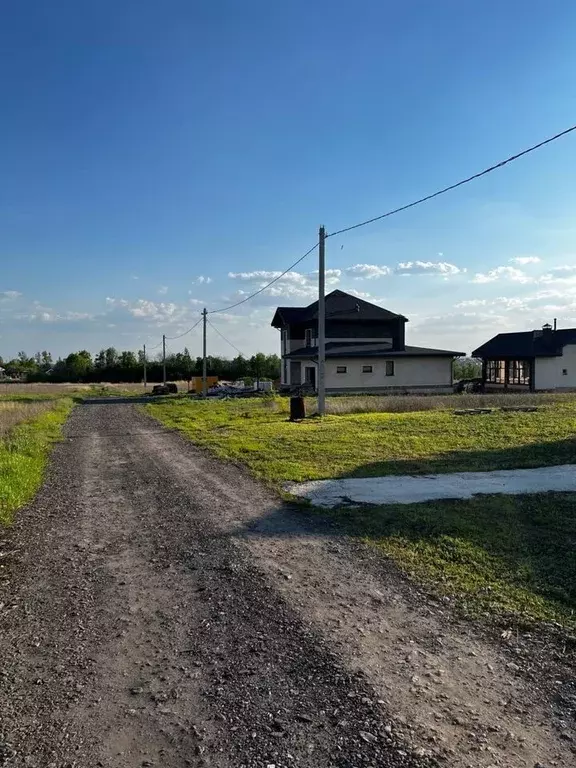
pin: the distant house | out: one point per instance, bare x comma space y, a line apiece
366, 350
544, 359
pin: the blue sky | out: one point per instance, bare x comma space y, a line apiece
159, 157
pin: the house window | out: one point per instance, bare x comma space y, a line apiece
389, 367
308, 336
564, 371
508, 372
518, 372
496, 371
366, 369
341, 369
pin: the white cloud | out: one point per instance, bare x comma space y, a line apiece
331, 276
157, 312
264, 276
9, 295
427, 268
367, 271
366, 296
163, 290
471, 303
201, 279
502, 273
526, 260
56, 317
292, 285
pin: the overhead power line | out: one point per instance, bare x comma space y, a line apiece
454, 186
225, 339
173, 338
261, 290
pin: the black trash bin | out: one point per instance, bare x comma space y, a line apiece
297, 409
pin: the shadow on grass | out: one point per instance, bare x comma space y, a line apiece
498, 554
514, 457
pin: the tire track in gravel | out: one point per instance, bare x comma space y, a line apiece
136, 631
453, 692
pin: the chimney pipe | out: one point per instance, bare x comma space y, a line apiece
554, 323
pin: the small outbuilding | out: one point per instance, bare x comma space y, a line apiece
531, 361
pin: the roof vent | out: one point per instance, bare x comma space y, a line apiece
546, 327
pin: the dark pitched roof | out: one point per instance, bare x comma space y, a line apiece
369, 349
337, 303
527, 344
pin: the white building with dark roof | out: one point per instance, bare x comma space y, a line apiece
530, 361
366, 350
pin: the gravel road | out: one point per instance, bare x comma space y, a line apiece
160, 608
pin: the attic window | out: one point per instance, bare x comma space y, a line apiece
366, 369
341, 369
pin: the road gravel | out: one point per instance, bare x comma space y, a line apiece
161, 608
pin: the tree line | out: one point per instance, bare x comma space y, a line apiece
111, 365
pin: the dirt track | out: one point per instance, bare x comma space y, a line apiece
160, 608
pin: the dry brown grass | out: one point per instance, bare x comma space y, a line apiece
48, 389
17, 412
407, 403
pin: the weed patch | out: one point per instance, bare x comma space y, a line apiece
25, 443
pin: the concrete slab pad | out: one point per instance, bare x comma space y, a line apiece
410, 489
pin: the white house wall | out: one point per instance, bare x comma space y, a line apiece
409, 373
549, 374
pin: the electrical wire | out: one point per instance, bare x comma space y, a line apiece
149, 349
454, 186
173, 338
261, 290
225, 339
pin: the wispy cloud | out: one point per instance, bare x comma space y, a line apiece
502, 273
471, 303
9, 295
526, 260
158, 312
443, 268
367, 271
163, 290
56, 317
201, 279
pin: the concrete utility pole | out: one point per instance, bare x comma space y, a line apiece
144, 361
163, 358
321, 323
204, 379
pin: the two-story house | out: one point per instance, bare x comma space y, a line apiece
365, 350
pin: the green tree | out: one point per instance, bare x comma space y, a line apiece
467, 368
128, 360
78, 365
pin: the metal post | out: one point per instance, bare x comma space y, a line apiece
321, 324
163, 359
204, 379
144, 361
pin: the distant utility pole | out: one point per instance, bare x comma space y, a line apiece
204, 379
164, 358
144, 361
321, 322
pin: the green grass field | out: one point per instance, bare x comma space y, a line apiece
27, 432
258, 434
499, 556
